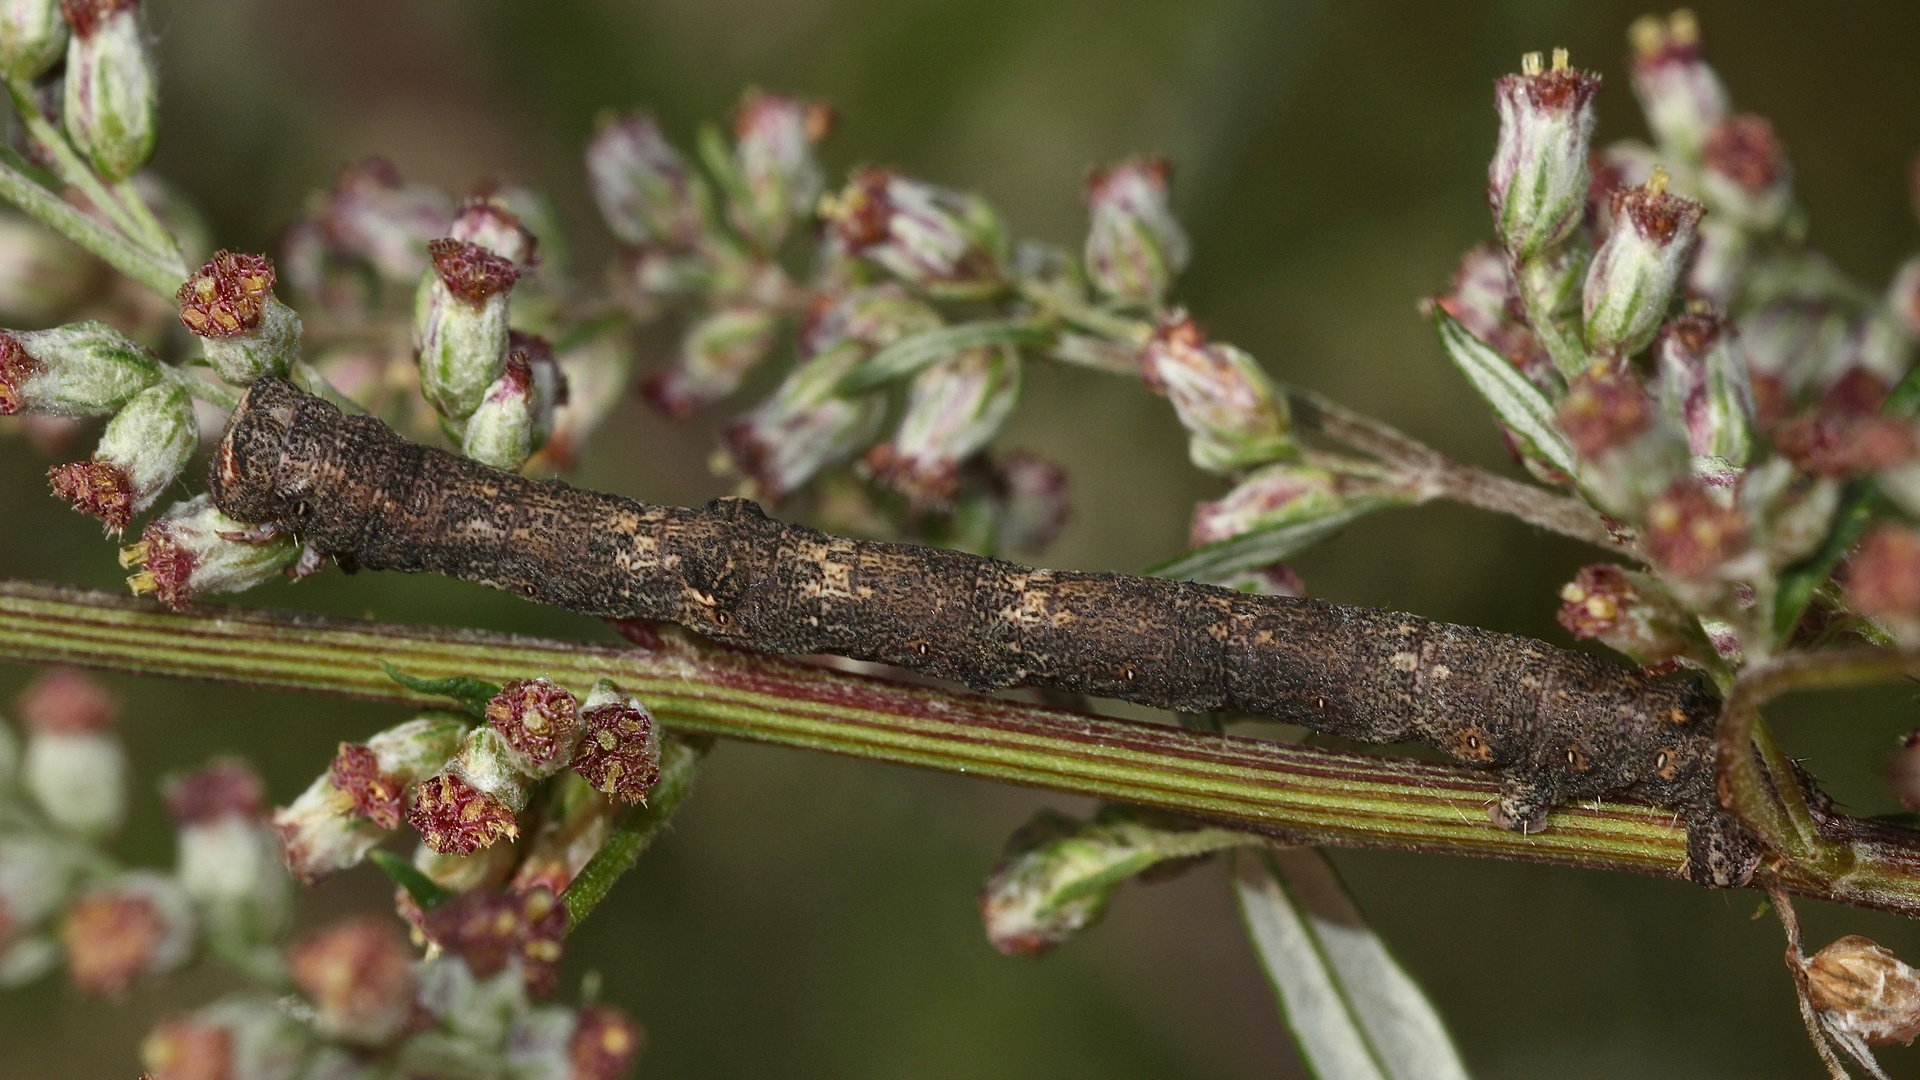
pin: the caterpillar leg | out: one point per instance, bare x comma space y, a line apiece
1524, 804
1721, 852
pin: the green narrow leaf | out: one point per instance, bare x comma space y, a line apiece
717, 156
1269, 545
1518, 403
407, 876
1354, 1011
472, 694
914, 353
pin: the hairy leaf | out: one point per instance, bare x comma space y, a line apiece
1517, 402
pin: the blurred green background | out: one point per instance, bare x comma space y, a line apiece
810, 917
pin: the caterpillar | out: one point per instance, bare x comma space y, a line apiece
1554, 725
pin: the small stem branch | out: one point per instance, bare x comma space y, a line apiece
1070, 306
308, 378
213, 393
1294, 793
118, 252
679, 760
158, 238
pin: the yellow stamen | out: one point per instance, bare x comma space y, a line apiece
1647, 35
143, 583
133, 554
1560, 59
1657, 183
1530, 63
1683, 28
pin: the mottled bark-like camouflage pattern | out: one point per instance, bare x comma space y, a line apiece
1556, 725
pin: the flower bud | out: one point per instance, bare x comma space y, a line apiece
194, 549
1633, 274
1747, 177
363, 795
551, 390
471, 802
575, 826
377, 215
460, 325
500, 432
946, 243
112, 92
144, 449
716, 353
1883, 579
1274, 495
139, 924
1680, 93
75, 767
643, 188
1690, 534
43, 275
1862, 995
1791, 513
619, 752
1538, 180
1705, 388
604, 1044
802, 429
954, 408
245, 331
228, 856
1787, 343
1033, 501
1630, 613
248, 1038
490, 930
33, 37
81, 369
486, 222
358, 973
539, 720
36, 871
1135, 246
1235, 414
774, 138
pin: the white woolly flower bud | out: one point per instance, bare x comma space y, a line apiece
460, 325
112, 92
144, 449
1538, 179
194, 549
1235, 414
500, 432
1278, 494
1705, 388
780, 178
363, 795
81, 369
954, 408
1680, 93
1633, 274
78, 774
946, 243
1135, 246
33, 35
644, 190
716, 353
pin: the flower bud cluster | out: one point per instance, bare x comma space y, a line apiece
946, 243
362, 798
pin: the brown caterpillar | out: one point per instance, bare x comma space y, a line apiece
1556, 725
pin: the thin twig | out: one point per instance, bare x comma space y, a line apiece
118, 252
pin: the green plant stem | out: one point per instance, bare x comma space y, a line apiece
157, 235
118, 252
213, 393
308, 378
1066, 302
1297, 794
138, 226
679, 760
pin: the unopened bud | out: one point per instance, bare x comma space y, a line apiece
1787, 343
363, 795
227, 854
472, 802
604, 1044
81, 369
954, 409
643, 188
783, 442
144, 449
1135, 246
139, 924
36, 871
194, 549
1236, 415
1633, 274
619, 752
1690, 534
574, 827
774, 138
33, 37
1883, 579
240, 1038
112, 92
1680, 93
539, 720
377, 215
1277, 494
716, 353
500, 432
460, 325
1705, 388
490, 930
947, 243
75, 767
246, 332
1628, 612
1747, 177
1862, 995
358, 973
488, 223
1538, 180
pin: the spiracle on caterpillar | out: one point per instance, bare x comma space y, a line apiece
1554, 725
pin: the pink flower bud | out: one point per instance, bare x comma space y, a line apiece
643, 188
944, 242
619, 751
460, 325
539, 720
67, 701
186, 1048
487, 223
1481, 297
604, 1045
1705, 387
1233, 411
1680, 93
1846, 435
358, 973
75, 767
226, 788
140, 924
490, 930
376, 215
1747, 177
111, 103
241, 1038
1537, 182
774, 138
716, 353
1628, 454
194, 549
1632, 276
1690, 534
143, 451
1275, 495
1628, 612
1135, 246
1883, 579
954, 409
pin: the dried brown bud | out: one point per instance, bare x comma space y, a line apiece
456, 818
604, 1044
470, 271
17, 368
619, 750
66, 701
1606, 406
539, 720
225, 788
1883, 577
359, 975
489, 929
96, 488
1690, 534
1862, 993
225, 297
